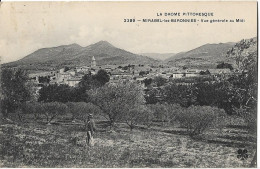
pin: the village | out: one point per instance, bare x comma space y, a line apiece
133, 73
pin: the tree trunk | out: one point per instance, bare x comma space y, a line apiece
131, 127
112, 124
20, 118
5, 113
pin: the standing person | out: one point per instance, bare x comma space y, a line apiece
90, 126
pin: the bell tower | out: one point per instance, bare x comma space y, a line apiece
93, 62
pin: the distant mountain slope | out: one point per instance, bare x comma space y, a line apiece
158, 56
208, 55
75, 55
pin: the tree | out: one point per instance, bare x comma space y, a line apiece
52, 110
147, 82
196, 119
66, 68
159, 81
205, 72
245, 85
15, 90
151, 96
55, 93
224, 65
183, 95
62, 93
138, 115
102, 77
80, 110
44, 79
160, 112
89, 81
34, 108
116, 99
142, 73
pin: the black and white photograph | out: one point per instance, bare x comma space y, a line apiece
137, 84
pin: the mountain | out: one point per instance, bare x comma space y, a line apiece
76, 55
205, 56
158, 56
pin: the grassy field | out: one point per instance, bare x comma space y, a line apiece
36, 145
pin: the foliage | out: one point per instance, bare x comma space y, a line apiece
159, 81
224, 65
205, 72
216, 94
245, 84
142, 73
44, 79
147, 82
116, 99
160, 112
164, 112
199, 118
125, 67
183, 95
138, 115
49, 110
34, 108
14, 90
89, 81
52, 110
62, 93
151, 96
66, 68
102, 77
80, 110
195, 79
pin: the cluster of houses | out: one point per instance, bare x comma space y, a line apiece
137, 73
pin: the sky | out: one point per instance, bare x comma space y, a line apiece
28, 26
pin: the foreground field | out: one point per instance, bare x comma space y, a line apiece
34, 145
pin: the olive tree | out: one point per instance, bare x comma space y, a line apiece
245, 84
52, 110
14, 90
139, 115
116, 99
196, 119
80, 110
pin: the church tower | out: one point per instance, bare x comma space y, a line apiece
93, 62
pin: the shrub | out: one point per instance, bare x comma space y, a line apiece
199, 118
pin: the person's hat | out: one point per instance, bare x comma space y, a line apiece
90, 115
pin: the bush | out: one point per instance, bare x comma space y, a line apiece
199, 118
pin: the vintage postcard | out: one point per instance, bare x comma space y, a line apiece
128, 84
